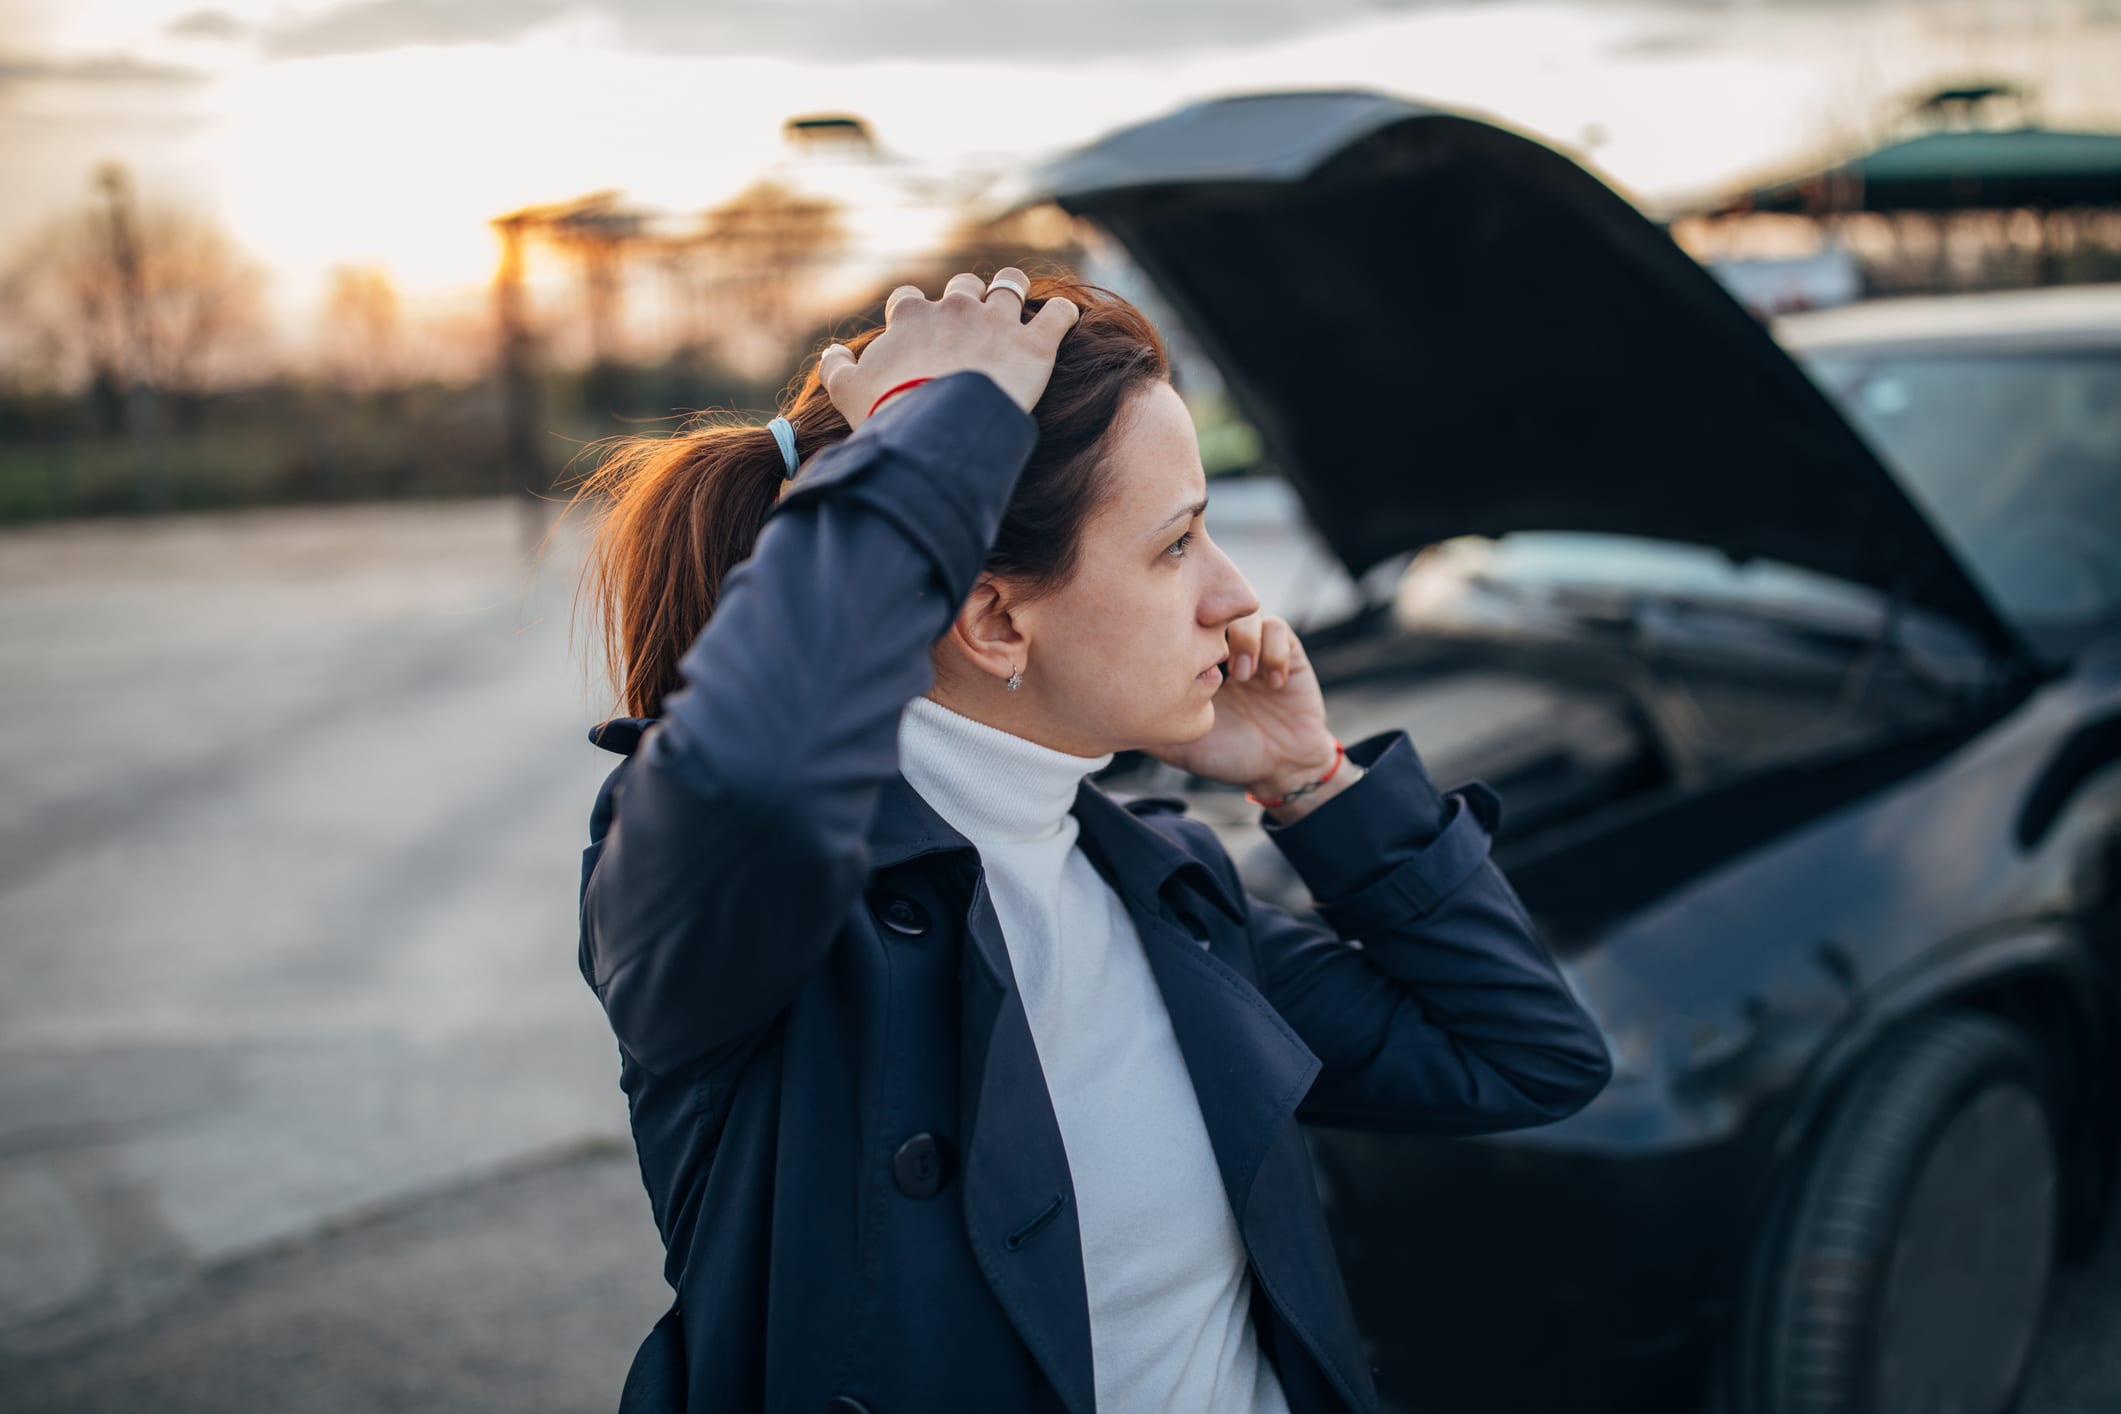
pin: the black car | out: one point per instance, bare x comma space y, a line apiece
1800, 679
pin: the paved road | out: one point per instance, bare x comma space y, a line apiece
286, 893
521, 1294
300, 1097
527, 1293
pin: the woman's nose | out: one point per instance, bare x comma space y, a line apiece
1229, 596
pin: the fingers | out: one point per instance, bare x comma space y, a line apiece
835, 362
1008, 284
1264, 647
899, 296
1277, 650
1244, 647
966, 328
1055, 318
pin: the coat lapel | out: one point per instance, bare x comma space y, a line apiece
1017, 1199
1249, 1073
1249, 1069
1018, 1196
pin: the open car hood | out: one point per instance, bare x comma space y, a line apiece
1440, 327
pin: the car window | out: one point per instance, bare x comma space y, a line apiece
2016, 459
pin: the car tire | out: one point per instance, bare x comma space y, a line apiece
1907, 1268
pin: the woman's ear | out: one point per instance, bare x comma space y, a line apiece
985, 631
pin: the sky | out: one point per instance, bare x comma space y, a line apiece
388, 132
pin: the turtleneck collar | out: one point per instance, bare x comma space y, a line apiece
988, 783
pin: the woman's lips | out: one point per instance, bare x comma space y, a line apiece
1212, 673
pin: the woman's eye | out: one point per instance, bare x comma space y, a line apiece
1177, 548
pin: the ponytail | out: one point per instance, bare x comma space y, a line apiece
681, 512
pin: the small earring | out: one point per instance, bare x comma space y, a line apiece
1016, 677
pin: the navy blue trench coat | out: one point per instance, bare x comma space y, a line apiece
843, 1128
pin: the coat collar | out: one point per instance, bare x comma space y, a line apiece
1138, 859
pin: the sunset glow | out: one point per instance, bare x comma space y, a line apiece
399, 156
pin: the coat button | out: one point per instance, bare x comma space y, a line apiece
904, 915
922, 1166
845, 1404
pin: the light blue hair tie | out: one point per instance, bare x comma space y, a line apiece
784, 433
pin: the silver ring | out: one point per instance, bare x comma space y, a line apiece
1000, 283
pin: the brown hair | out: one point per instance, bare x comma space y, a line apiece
685, 510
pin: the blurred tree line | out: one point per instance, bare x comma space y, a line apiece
140, 368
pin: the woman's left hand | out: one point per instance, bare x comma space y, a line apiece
1270, 718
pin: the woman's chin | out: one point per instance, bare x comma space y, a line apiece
1187, 724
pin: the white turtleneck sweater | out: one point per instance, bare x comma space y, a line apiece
1165, 1267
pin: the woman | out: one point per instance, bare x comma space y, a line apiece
957, 1085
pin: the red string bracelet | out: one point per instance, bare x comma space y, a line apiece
1340, 754
909, 383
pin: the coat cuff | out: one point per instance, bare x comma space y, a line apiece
1390, 847
938, 461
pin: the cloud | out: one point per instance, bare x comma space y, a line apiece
828, 29
854, 30
1670, 43
365, 26
206, 24
17, 70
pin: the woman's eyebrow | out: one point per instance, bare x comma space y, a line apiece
1183, 513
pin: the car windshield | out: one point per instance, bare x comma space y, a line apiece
2016, 459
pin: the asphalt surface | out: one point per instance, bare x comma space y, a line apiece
302, 1103
528, 1292
288, 848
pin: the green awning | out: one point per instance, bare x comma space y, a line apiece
1957, 171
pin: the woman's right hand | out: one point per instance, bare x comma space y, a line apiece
970, 327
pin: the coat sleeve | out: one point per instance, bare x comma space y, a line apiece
727, 849
1449, 1017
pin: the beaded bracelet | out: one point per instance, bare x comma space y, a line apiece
909, 383
1340, 754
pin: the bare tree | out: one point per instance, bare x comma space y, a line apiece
123, 294
361, 341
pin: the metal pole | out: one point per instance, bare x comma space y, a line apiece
142, 409
519, 380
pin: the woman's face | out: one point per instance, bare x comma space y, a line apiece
1115, 659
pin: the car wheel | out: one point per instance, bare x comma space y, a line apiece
1907, 1270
